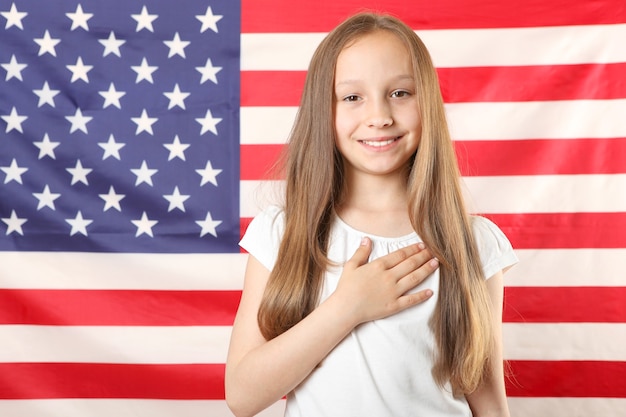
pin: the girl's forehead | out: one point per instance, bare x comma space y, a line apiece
380, 49
375, 37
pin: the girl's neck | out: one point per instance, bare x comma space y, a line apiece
376, 205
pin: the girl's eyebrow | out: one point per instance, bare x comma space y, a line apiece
401, 77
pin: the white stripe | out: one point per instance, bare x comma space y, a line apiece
537, 119
537, 268
209, 344
123, 408
476, 121
266, 125
114, 344
254, 196
568, 268
510, 194
560, 45
520, 407
547, 193
567, 407
62, 270
564, 341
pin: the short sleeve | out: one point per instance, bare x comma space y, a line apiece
496, 252
263, 236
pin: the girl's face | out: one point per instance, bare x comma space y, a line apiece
377, 119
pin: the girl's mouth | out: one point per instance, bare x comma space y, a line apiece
379, 143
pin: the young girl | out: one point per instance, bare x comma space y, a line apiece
371, 292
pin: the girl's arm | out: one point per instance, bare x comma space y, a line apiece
489, 400
260, 372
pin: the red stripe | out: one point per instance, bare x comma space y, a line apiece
257, 161
471, 84
533, 83
21, 381
118, 307
567, 379
322, 15
271, 88
542, 157
563, 230
218, 308
494, 158
565, 305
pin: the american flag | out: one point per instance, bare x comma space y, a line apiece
134, 141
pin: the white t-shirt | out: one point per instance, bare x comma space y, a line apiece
382, 368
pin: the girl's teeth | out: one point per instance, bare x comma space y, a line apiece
378, 143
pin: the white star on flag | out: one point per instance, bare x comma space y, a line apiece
13, 69
47, 44
112, 97
46, 147
14, 121
208, 71
144, 123
13, 172
112, 199
176, 200
79, 18
46, 198
176, 46
79, 70
111, 148
144, 20
144, 174
176, 97
14, 17
208, 225
144, 225
208, 123
46, 95
79, 224
14, 223
177, 149
78, 121
208, 174
209, 20
79, 173
112, 45
144, 71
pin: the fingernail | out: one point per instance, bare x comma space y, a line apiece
364, 241
421, 245
434, 262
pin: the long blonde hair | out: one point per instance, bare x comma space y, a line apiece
314, 184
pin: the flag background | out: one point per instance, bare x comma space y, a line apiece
136, 324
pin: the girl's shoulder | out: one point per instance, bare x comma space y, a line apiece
495, 249
263, 235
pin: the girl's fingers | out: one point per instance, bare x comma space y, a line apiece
361, 255
417, 276
389, 261
412, 263
412, 299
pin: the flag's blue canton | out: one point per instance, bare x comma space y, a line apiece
119, 127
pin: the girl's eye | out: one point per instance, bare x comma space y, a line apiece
351, 98
400, 94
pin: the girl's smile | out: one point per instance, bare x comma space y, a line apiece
380, 143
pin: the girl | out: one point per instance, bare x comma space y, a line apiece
366, 293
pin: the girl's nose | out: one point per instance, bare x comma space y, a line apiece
379, 115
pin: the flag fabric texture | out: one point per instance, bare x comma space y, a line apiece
135, 138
